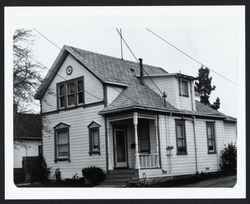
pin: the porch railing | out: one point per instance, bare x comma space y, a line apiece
149, 160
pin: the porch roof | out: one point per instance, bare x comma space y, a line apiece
138, 96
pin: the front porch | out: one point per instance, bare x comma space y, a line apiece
133, 142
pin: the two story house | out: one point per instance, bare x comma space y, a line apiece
116, 114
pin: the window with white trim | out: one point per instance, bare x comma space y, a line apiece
180, 137
70, 93
211, 146
183, 87
62, 142
94, 138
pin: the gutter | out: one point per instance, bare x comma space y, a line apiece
157, 110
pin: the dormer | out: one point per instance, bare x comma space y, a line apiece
178, 87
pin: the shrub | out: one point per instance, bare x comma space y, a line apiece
74, 182
93, 174
44, 171
58, 175
229, 158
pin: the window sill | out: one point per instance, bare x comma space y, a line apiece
71, 107
62, 159
94, 152
212, 152
184, 95
182, 153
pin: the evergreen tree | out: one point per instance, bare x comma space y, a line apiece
216, 104
204, 87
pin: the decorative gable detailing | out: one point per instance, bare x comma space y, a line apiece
61, 125
93, 124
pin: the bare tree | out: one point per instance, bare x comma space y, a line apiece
26, 73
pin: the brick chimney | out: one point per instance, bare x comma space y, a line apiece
141, 72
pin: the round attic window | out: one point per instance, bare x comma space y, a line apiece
69, 70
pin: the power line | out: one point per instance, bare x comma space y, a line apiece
138, 60
57, 73
127, 45
47, 38
189, 56
70, 56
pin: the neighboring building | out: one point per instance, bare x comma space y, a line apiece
107, 112
27, 137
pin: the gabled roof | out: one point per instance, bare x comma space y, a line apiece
105, 68
138, 96
27, 126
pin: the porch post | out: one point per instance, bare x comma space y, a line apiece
135, 120
156, 136
109, 145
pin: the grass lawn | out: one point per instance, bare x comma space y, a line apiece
53, 184
218, 179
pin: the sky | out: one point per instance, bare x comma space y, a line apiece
214, 35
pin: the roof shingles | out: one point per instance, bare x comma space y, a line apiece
136, 95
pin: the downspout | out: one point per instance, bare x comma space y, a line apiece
169, 152
195, 145
159, 141
106, 144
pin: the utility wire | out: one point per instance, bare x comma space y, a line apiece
47, 39
70, 56
190, 56
56, 73
127, 45
138, 60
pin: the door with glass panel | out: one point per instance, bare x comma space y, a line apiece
120, 148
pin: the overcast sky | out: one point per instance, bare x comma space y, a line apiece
212, 35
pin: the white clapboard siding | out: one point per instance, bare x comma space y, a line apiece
150, 173
182, 101
208, 162
78, 119
220, 138
230, 132
182, 164
91, 84
23, 149
112, 93
165, 84
170, 85
162, 140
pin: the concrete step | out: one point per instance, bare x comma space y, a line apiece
117, 176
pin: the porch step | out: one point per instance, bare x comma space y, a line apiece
121, 171
118, 177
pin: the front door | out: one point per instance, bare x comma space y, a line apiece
120, 147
